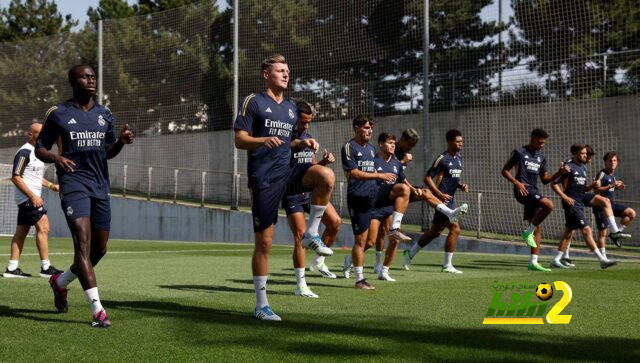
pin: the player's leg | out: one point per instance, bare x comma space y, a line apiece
400, 195
42, 243
372, 236
437, 226
534, 265
562, 245
392, 247
543, 207
450, 247
435, 203
297, 226
605, 204
331, 220
588, 238
602, 241
357, 256
320, 180
17, 243
385, 225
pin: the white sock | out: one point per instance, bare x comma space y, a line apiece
45, 264
359, 273
13, 265
414, 250
260, 285
396, 219
315, 216
603, 250
318, 260
444, 209
93, 299
612, 224
621, 227
534, 259
558, 256
448, 256
531, 228
378, 258
66, 278
566, 252
599, 255
300, 280
384, 270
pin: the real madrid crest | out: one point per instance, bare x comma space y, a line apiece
101, 121
291, 115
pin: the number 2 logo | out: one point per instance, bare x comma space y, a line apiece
554, 317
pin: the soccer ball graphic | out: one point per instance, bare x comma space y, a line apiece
544, 291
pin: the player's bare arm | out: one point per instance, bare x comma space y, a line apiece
245, 141
363, 175
558, 190
547, 177
428, 180
327, 158
60, 161
506, 173
126, 137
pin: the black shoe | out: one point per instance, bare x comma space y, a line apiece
608, 263
49, 272
616, 237
17, 273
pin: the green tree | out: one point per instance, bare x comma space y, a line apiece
32, 18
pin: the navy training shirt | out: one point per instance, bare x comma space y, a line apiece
362, 158
607, 179
574, 181
302, 158
82, 137
529, 165
392, 166
261, 116
446, 171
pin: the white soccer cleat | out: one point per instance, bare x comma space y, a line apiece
450, 269
399, 236
385, 277
406, 257
315, 243
459, 212
346, 267
265, 313
323, 270
305, 291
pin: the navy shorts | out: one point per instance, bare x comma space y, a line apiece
294, 182
264, 204
529, 201
574, 216
382, 198
440, 219
601, 219
360, 208
381, 213
78, 204
296, 203
28, 215
587, 198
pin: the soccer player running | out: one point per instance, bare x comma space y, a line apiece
28, 177
264, 127
364, 194
84, 131
608, 185
306, 172
530, 164
572, 189
446, 170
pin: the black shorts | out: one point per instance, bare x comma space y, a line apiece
28, 215
601, 219
530, 202
264, 204
587, 198
574, 216
294, 182
296, 203
78, 204
360, 208
381, 213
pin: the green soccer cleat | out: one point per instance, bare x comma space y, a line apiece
528, 239
538, 267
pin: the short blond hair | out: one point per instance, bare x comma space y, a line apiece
273, 59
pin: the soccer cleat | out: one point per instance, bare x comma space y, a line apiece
377, 269
528, 239
567, 262
15, 274
59, 294
458, 212
399, 236
450, 269
322, 270
406, 260
364, 285
616, 237
346, 267
305, 291
315, 243
607, 263
538, 267
100, 320
49, 272
385, 277
558, 264
265, 313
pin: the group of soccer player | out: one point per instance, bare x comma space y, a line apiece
282, 170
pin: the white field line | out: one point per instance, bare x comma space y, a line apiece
133, 252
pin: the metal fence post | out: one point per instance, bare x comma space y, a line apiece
124, 180
204, 183
175, 184
479, 215
149, 186
340, 197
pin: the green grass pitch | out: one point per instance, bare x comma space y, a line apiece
193, 302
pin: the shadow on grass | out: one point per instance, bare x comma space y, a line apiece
214, 288
7, 312
291, 282
293, 334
